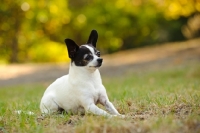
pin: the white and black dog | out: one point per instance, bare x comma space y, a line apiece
82, 88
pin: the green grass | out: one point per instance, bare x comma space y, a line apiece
153, 101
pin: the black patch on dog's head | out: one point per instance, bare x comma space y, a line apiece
82, 55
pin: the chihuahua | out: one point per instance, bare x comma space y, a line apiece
82, 89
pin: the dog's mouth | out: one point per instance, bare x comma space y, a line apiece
98, 63
97, 66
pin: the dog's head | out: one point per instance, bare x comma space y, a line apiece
85, 55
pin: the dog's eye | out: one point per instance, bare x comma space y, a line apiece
98, 53
87, 57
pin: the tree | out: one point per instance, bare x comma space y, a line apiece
25, 24
35, 30
10, 28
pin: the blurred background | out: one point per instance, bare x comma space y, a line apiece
34, 31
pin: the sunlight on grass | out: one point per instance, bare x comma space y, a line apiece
154, 101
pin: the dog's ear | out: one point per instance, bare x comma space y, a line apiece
72, 47
93, 38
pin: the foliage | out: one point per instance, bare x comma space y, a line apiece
154, 101
25, 24
122, 24
48, 52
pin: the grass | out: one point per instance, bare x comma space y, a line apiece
164, 100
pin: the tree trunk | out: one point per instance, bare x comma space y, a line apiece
15, 34
15, 50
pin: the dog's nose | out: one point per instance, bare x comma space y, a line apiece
100, 60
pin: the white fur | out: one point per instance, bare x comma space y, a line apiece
79, 91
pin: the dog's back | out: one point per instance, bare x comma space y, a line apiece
48, 102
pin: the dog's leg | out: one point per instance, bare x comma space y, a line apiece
109, 106
48, 105
96, 110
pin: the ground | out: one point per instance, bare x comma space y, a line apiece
157, 88
148, 58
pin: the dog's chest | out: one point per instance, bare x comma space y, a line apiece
87, 85
96, 94
93, 90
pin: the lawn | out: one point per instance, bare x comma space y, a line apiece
162, 100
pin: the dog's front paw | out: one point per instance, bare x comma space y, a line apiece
119, 116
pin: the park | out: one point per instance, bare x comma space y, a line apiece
151, 63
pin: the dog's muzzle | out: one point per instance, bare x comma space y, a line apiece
99, 60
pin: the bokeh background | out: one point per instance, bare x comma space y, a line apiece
34, 31
151, 66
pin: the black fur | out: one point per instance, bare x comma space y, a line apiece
72, 47
93, 38
76, 53
79, 56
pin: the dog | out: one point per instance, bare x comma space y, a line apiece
82, 89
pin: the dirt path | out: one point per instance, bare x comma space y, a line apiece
148, 58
